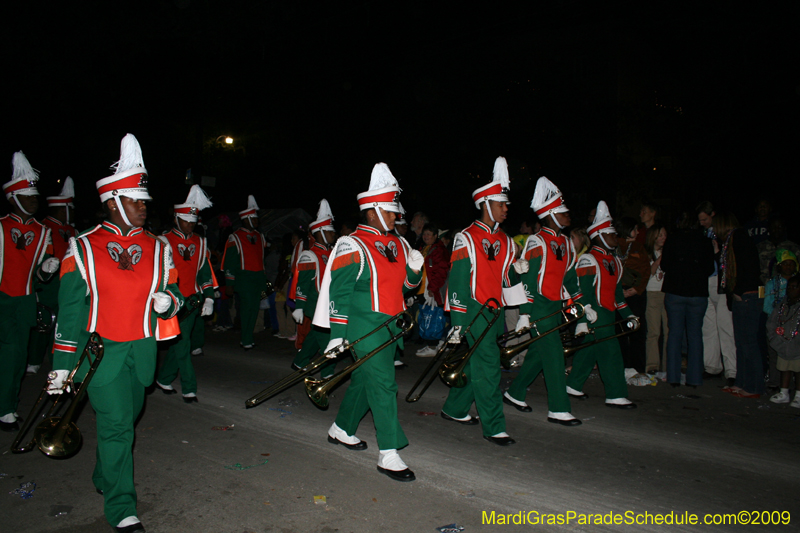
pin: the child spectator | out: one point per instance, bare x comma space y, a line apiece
782, 328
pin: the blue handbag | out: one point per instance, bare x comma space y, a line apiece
431, 323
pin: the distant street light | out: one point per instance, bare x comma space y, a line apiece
228, 140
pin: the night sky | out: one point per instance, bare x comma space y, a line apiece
594, 95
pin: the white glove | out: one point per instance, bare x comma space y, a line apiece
454, 335
335, 347
521, 266
415, 260
161, 301
409, 301
208, 307
589, 313
430, 300
581, 329
50, 265
523, 322
56, 380
297, 314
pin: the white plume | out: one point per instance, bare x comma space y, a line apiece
197, 197
23, 169
251, 203
602, 213
545, 191
500, 172
68, 190
324, 211
382, 177
130, 155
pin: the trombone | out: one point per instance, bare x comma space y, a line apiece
571, 312
404, 320
59, 436
318, 389
626, 325
451, 358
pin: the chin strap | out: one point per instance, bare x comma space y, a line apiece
604, 241
553, 216
379, 211
118, 201
489, 210
16, 200
322, 232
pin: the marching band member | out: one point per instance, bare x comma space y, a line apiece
599, 274
25, 263
363, 287
196, 284
551, 277
243, 264
482, 258
60, 218
116, 280
308, 275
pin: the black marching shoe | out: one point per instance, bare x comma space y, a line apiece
398, 475
9, 426
100, 492
572, 422
622, 406
296, 368
165, 390
472, 421
361, 445
190, 399
500, 441
522, 408
580, 397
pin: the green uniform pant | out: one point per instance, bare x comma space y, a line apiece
315, 343
249, 286
544, 355
608, 357
198, 339
17, 317
373, 386
117, 405
179, 358
483, 379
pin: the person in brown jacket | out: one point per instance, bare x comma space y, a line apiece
635, 275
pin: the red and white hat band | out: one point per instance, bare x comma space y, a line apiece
556, 206
321, 225
492, 191
23, 187
385, 198
602, 227
60, 201
131, 183
248, 213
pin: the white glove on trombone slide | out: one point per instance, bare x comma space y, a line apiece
55, 381
581, 329
297, 314
523, 322
454, 335
161, 301
521, 266
335, 347
591, 314
208, 307
415, 260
